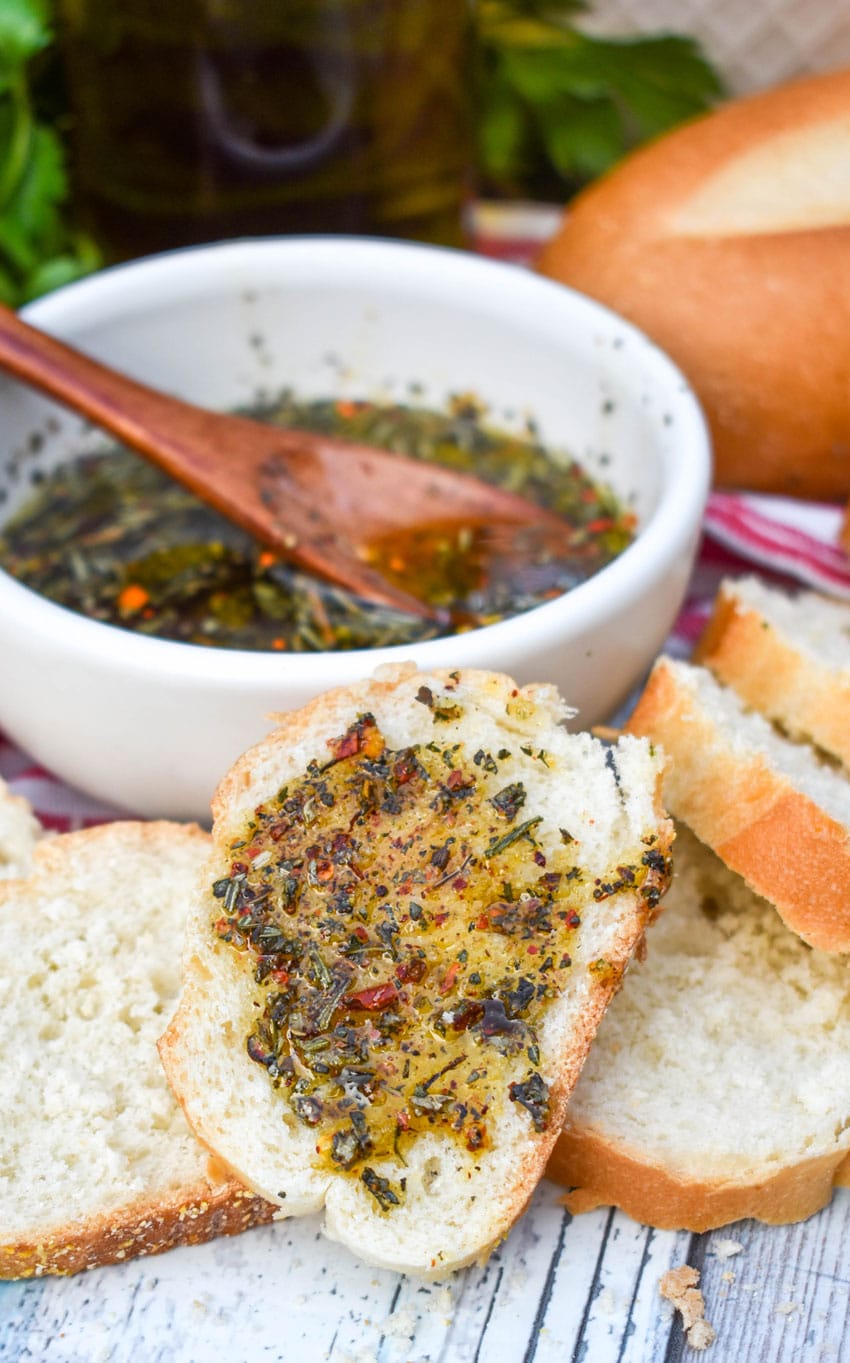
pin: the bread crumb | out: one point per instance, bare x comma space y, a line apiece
679, 1286
725, 1249
701, 1334
728, 1276
401, 1324
787, 1308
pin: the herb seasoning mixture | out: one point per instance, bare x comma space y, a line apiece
112, 537
408, 933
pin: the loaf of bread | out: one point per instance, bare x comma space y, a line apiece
96, 1161
19, 833
786, 656
768, 806
422, 894
728, 242
717, 1087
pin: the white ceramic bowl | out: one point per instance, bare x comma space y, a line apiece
151, 725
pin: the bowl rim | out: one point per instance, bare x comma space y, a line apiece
666, 534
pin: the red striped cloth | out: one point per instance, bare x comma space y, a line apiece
788, 543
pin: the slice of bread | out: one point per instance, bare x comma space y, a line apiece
19, 833
767, 806
717, 1087
787, 656
96, 1161
422, 895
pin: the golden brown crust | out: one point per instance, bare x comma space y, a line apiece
189, 1217
771, 675
600, 1173
783, 845
757, 320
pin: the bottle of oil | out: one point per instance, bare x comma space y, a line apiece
195, 120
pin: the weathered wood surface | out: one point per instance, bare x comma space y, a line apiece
558, 1291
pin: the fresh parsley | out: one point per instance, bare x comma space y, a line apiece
39, 246
557, 106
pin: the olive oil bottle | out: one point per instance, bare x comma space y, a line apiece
195, 120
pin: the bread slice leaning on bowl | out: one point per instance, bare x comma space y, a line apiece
422, 894
769, 807
717, 1087
786, 656
97, 1162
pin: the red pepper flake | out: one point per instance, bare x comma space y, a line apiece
373, 1000
539, 858
363, 736
346, 746
413, 969
456, 779
280, 976
460, 883
439, 919
132, 598
532, 949
572, 919
450, 977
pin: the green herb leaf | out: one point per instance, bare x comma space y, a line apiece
559, 106
39, 249
24, 31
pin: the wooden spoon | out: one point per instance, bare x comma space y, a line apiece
318, 500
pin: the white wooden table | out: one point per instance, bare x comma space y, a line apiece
559, 1290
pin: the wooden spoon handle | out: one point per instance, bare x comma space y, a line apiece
152, 423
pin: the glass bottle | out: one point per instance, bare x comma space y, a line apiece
195, 120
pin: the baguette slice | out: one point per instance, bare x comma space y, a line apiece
786, 656
767, 806
717, 1087
19, 833
96, 1161
499, 872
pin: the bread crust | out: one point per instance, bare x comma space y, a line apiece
757, 317
772, 675
785, 847
145, 1226
602, 1173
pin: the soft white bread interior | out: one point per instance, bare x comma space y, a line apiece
717, 1087
20, 830
786, 656
500, 873
728, 242
769, 807
96, 1161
